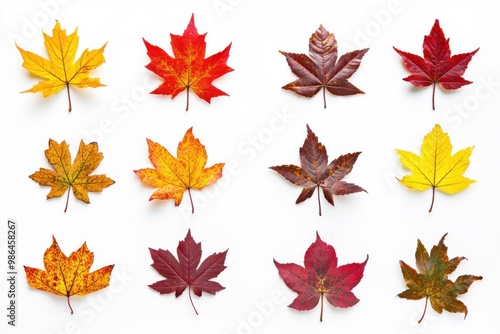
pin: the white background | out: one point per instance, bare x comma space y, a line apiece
251, 211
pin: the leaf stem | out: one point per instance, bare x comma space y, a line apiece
433, 194
191, 200
69, 97
192, 304
67, 200
69, 304
321, 314
319, 203
425, 309
433, 94
324, 97
187, 100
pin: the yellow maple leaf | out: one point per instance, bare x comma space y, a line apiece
61, 70
436, 167
74, 176
68, 276
175, 175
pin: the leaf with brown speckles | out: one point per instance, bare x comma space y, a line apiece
432, 280
68, 276
315, 172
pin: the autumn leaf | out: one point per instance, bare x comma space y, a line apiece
174, 175
321, 70
67, 176
188, 69
68, 276
187, 272
61, 70
321, 277
315, 172
431, 281
436, 167
437, 66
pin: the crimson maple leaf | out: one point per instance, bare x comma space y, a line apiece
188, 69
317, 173
437, 66
322, 70
321, 277
185, 273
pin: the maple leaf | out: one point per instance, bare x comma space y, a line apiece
321, 277
61, 70
173, 175
315, 172
322, 70
436, 167
431, 281
188, 69
68, 276
187, 272
437, 66
76, 176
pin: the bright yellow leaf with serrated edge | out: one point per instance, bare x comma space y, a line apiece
436, 167
174, 175
61, 70
68, 276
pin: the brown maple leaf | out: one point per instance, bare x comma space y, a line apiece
74, 176
315, 172
187, 272
432, 280
188, 69
68, 276
173, 176
321, 70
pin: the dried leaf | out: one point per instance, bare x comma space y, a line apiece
76, 176
321, 70
187, 272
61, 70
321, 277
188, 69
317, 173
437, 66
174, 175
432, 281
436, 167
68, 276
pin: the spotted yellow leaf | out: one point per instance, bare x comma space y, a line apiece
68, 276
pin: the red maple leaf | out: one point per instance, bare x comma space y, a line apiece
188, 69
183, 274
315, 172
437, 66
321, 277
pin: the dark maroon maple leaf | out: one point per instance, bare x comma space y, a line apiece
183, 274
317, 173
437, 66
321, 277
322, 70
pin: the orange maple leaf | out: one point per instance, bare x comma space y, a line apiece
74, 175
68, 276
188, 69
174, 175
61, 69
